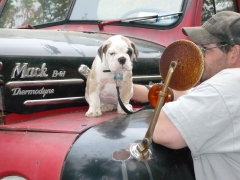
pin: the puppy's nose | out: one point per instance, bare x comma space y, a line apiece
122, 60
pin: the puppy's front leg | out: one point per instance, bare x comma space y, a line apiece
92, 97
94, 106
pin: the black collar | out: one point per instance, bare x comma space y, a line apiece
106, 71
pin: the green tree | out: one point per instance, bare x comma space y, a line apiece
207, 10
20, 12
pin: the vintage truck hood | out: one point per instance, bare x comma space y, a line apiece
76, 151
103, 152
39, 69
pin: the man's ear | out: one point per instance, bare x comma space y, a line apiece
103, 49
235, 59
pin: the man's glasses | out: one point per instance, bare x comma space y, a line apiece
204, 49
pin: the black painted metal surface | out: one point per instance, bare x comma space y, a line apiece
55, 55
102, 152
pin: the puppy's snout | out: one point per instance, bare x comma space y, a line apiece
122, 60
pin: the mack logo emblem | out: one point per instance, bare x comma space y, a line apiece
29, 72
19, 91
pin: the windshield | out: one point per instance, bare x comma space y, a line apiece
119, 9
17, 13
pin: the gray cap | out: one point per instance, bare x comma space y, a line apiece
222, 27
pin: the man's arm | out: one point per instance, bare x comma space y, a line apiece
166, 133
140, 93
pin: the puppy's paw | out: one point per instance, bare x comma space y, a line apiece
128, 106
107, 107
91, 113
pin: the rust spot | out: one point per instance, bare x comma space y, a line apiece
121, 155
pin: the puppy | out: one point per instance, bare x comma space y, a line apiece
116, 55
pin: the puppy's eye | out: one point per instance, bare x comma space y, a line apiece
129, 52
112, 54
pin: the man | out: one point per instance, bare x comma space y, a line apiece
207, 119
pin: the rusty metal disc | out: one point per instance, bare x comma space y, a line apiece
190, 64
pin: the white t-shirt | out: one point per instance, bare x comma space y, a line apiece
208, 119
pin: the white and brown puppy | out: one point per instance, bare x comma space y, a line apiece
116, 55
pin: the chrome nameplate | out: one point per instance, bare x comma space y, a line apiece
43, 92
24, 71
58, 73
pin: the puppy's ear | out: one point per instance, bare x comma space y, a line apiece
130, 43
103, 49
135, 51
100, 52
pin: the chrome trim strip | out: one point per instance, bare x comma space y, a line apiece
14, 84
147, 78
52, 101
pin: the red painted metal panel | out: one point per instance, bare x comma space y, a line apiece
157, 36
14, 118
71, 122
198, 13
32, 155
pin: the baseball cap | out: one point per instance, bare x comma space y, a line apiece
221, 27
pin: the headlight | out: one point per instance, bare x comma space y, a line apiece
13, 178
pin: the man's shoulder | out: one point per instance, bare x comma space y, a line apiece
225, 77
230, 71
